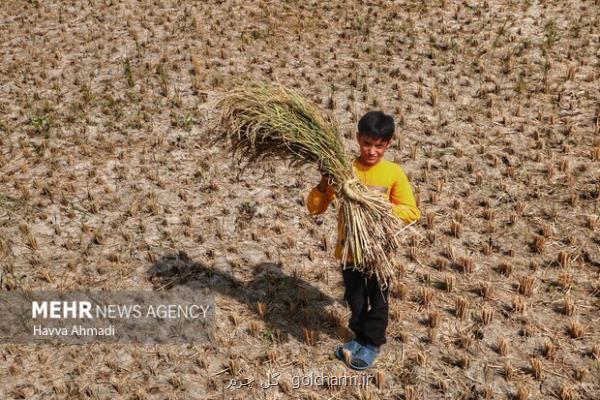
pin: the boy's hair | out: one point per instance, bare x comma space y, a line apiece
376, 125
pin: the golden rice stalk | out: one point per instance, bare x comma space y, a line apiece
270, 121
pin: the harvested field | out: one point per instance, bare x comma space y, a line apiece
108, 180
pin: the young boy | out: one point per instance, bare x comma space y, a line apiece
375, 131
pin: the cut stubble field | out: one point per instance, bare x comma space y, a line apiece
110, 178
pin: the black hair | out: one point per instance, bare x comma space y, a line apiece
376, 125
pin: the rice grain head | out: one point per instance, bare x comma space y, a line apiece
268, 121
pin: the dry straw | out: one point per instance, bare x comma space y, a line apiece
271, 121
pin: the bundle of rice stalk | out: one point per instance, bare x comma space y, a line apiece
264, 120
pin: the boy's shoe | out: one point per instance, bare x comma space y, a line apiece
352, 346
365, 357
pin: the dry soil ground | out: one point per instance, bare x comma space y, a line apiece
107, 176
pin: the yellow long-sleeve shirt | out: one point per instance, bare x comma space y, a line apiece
385, 177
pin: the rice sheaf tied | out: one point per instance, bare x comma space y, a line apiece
271, 121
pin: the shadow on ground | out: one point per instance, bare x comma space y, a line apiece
294, 306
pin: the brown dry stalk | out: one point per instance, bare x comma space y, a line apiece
442, 264
431, 236
549, 350
580, 373
487, 315
536, 368
430, 217
434, 319
485, 289
285, 386
456, 229
566, 392
503, 346
488, 393
399, 290
539, 244
449, 282
461, 305
576, 329
568, 305
265, 121
519, 305
426, 296
234, 366
254, 328
450, 252
347, 356
522, 393
509, 371
596, 351
486, 249
431, 334
564, 259
262, 309
565, 280
410, 393
464, 342
505, 269
526, 285
466, 264
310, 336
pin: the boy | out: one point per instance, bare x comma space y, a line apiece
375, 131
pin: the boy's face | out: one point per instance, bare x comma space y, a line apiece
371, 150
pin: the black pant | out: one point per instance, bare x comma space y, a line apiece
368, 324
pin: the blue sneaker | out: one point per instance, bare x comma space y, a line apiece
352, 346
365, 357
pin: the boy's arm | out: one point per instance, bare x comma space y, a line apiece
320, 197
403, 200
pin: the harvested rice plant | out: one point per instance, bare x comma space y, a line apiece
111, 169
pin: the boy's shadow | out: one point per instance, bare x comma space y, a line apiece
293, 306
